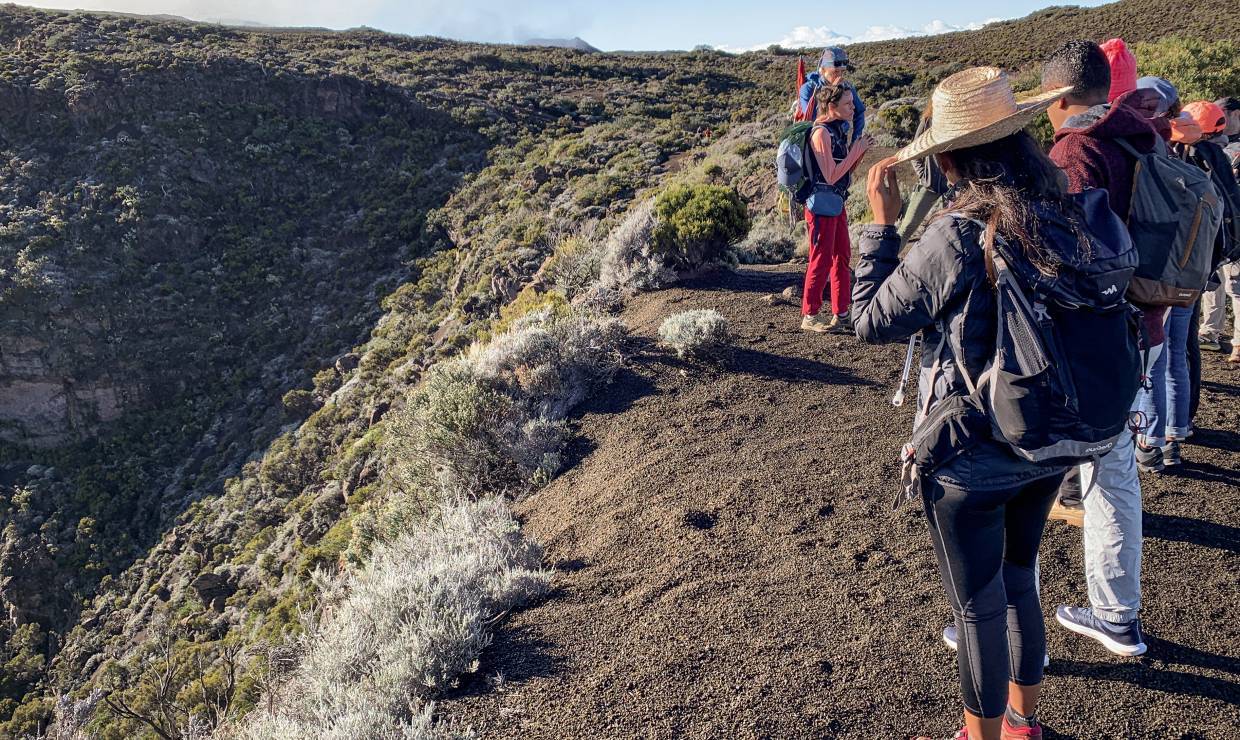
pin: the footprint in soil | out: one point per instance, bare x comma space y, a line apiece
699, 519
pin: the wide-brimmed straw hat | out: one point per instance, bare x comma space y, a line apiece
975, 106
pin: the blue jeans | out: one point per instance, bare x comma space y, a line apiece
1165, 406
1179, 387
1152, 402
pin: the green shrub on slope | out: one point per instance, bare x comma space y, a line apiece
696, 223
1200, 70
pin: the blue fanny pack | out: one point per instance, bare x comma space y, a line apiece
825, 200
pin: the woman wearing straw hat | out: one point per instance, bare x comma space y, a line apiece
985, 507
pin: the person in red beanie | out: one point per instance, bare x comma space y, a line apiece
1123, 68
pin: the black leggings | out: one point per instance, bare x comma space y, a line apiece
986, 543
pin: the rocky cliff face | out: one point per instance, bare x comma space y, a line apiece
40, 406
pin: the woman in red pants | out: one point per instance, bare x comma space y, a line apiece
829, 248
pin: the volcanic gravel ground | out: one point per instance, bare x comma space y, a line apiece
728, 564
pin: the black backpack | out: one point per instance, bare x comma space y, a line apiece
1067, 363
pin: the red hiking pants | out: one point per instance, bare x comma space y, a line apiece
829, 254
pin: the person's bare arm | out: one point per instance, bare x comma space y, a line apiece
833, 171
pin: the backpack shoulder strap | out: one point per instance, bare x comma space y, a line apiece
813, 168
935, 369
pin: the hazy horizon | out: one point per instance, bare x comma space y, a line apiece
641, 25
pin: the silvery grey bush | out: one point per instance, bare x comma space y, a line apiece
71, 716
399, 630
696, 333
445, 555
627, 264
493, 420
766, 243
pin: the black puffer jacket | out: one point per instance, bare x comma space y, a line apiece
940, 284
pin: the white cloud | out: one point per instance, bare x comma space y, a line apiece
810, 37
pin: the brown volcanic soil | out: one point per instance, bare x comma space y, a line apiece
728, 566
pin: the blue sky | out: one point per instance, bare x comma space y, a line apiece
638, 24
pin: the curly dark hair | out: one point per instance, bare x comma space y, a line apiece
1082, 66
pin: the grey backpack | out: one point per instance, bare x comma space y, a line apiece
1176, 213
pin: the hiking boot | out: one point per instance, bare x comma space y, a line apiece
816, 324
1121, 639
1235, 351
1209, 341
1150, 459
949, 639
1073, 512
840, 324
1010, 732
1171, 454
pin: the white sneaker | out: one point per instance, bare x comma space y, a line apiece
816, 324
949, 639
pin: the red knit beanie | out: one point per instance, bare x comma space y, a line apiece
1123, 68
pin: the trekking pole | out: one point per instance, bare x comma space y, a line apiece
914, 344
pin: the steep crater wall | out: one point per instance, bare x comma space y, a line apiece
168, 234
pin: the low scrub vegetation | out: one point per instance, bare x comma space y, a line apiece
628, 264
695, 334
696, 223
441, 555
492, 420
1200, 70
402, 628
768, 242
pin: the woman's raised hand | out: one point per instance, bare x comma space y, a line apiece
863, 143
883, 191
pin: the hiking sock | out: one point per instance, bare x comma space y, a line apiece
1016, 719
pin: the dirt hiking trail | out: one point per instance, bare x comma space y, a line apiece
728, 566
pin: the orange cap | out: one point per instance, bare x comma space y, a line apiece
1208, 116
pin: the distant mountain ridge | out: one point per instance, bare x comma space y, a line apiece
575, 42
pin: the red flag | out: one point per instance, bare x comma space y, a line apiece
800, 114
